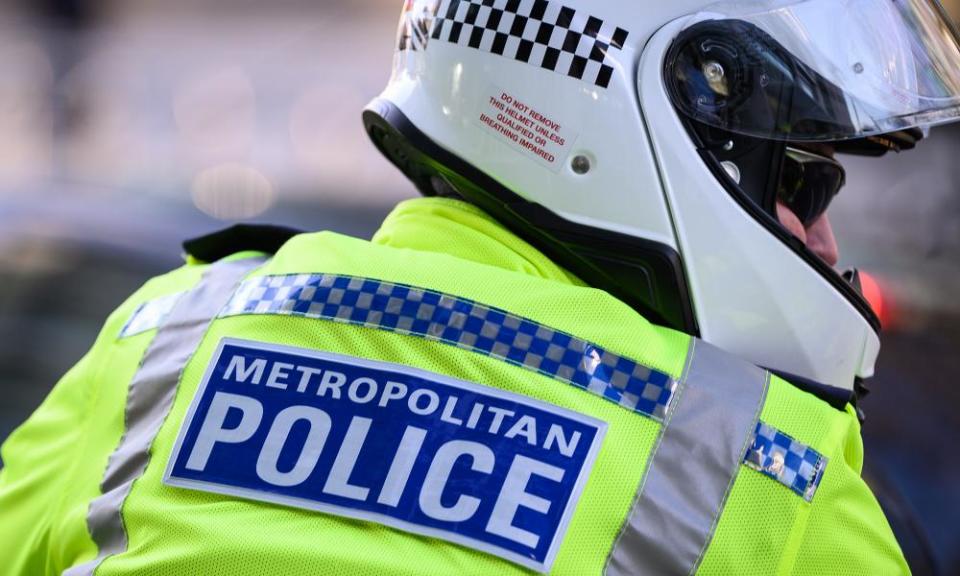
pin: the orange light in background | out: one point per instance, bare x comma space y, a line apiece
873, 293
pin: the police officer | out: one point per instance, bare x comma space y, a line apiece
550, 363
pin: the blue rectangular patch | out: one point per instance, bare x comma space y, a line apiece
421, 452
794, 464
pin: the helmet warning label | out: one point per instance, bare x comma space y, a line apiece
528, 128
414, 450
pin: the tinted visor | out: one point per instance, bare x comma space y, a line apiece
817, 70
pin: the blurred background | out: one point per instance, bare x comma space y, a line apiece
128, 126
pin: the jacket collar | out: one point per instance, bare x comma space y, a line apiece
459, 229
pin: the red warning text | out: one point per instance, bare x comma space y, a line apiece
528, 128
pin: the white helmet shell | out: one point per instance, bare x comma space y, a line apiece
563, 107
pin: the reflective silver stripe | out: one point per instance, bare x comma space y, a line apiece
149, 399
693, 465
149, 315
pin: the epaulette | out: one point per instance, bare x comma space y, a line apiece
836, 397
239, 238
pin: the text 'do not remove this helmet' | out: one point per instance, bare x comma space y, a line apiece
645, 146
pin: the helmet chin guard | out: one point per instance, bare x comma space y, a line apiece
557, 119
760, 292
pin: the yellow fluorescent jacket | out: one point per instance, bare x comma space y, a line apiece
722, 470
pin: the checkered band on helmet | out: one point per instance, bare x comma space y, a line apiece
537, 32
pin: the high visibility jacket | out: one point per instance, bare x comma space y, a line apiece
440, 400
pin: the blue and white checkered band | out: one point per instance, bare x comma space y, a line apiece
464, 324
537, 32
793, 464
149, 315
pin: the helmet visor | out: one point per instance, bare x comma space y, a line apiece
817, 70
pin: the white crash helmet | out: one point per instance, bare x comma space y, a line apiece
642, 146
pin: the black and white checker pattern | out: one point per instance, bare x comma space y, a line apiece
415, 23
540, 33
